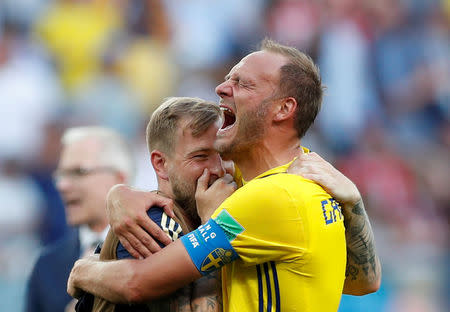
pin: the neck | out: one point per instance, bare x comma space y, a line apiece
98, 227
271, 153
164, 188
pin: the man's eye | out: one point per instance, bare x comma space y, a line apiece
201, 156
79, 172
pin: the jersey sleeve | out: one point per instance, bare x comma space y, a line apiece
260, 222
166, 223
263, 220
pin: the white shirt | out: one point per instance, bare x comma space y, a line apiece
88, 237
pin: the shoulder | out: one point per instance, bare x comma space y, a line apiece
156, 214
268, 187
282, 185
166, 223
269, 194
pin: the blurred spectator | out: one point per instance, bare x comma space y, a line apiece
148, 70
200, 42
410, 232
344, 60
30, 94
385, 179
106, 100
406, 78
20, 217
23, 13
76, 33
145, 63
93, 159
53, 224
437, 43
295, 23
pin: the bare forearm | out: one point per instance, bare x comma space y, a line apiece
363, 272
136, 280
104, 279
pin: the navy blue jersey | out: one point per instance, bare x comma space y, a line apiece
166, 223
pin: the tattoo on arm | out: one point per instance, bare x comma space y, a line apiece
362, 261
207, 294
203, 295
180, 301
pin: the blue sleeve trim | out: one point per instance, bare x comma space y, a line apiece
209, 247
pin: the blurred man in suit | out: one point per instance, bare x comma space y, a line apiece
93, 159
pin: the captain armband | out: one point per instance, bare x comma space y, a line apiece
209, 247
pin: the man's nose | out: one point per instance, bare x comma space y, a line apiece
224, 89
217, 168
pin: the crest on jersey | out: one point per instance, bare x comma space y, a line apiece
216, 259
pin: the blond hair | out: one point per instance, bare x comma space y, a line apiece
300, 79
161, 129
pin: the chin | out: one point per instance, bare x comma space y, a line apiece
74, 221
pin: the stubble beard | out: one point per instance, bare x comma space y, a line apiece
184, 196
250, 132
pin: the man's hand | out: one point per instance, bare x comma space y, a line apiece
74, 277
127, 213
209, 198
312, 166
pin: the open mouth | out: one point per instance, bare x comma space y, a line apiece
229, 118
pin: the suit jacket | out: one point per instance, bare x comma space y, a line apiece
47, 286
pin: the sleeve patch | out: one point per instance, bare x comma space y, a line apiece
230, 226
209, 248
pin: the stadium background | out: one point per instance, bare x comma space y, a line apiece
384, 121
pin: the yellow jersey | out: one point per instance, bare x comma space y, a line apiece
286, 246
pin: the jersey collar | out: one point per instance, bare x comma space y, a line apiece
278, 169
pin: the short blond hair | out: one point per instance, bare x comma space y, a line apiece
300, 79
161, 128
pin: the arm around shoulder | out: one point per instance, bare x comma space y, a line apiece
162, 273
126, 281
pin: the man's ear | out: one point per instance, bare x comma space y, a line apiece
159, 163
285, 109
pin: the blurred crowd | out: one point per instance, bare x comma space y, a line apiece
384, 121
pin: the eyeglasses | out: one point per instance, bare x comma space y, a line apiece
77, 173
